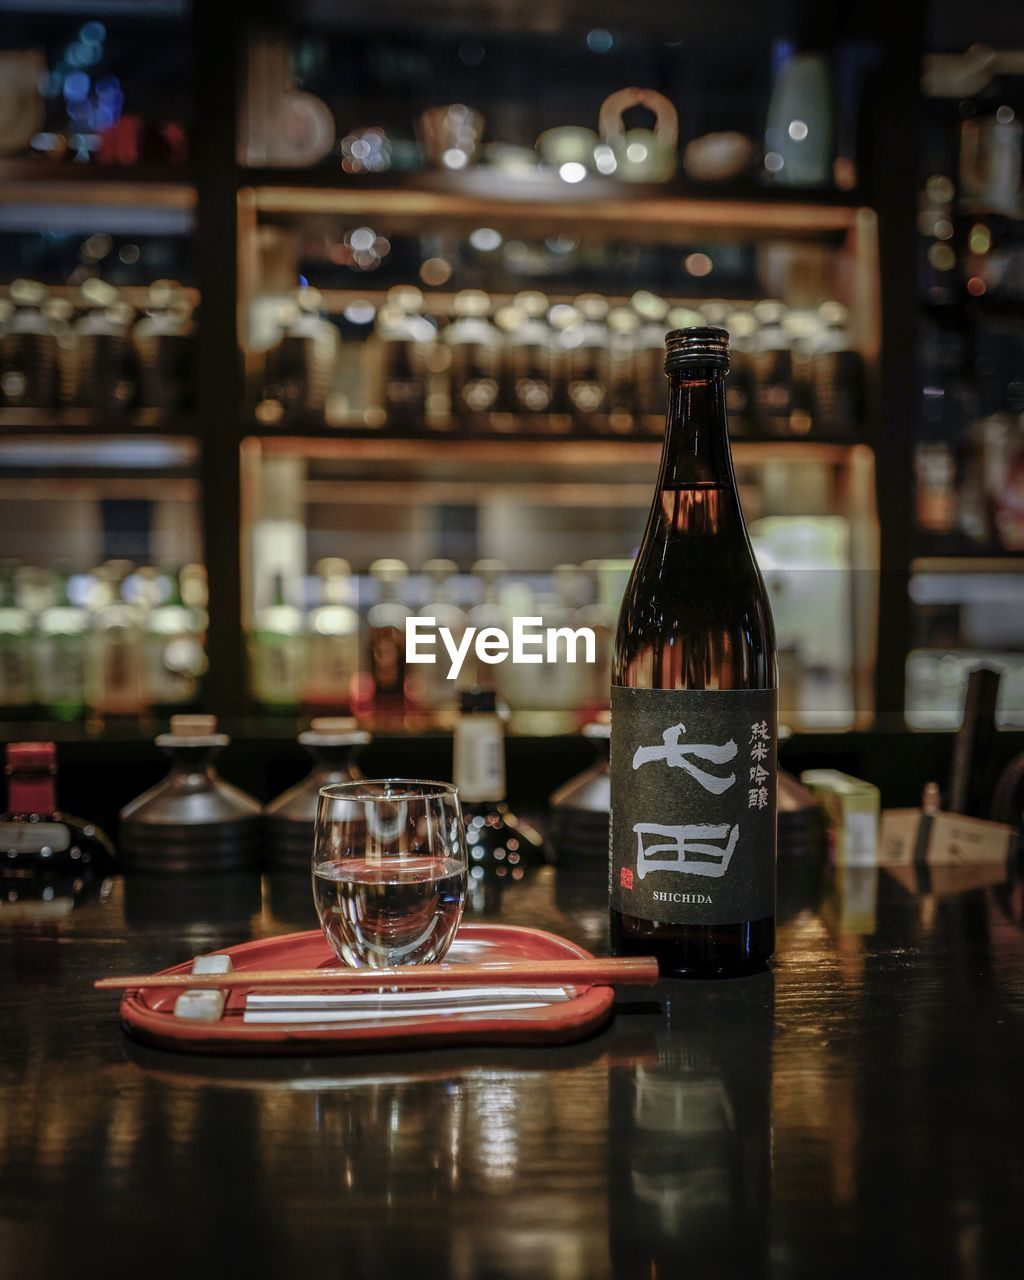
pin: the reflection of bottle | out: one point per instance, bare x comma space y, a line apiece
332, 660
690, 1165
386, 622
58, 656
499, 843
35, 835
276, 652
694, 703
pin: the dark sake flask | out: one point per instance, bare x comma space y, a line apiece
192, 821
290, 818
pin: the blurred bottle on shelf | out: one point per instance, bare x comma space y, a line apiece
277, 651
476, 355
585, 344
15, 648
37, 837
601, 615
105, 374
935, 493
386, 635
163, 345
290, 819
299, 367
58, 655
650, 385
489, 611
545, 697
332, 658
623, 408
175, 657
193, 820
991, 149
739, 388
528, 378
29, 350
114, 661
500, 844
403, 345
434, 691
836, 374
771, 363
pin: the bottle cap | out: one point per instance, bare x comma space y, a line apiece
477, 702
35, 757
334, 731
685, 348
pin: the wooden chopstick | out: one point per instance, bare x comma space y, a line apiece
603, 972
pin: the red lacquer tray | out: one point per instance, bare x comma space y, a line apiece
148, 1013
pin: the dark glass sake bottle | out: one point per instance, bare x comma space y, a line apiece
694, 703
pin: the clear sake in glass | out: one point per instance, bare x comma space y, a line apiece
389, 870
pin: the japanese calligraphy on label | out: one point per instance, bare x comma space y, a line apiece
693, 822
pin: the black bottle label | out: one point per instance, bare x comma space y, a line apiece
693, 776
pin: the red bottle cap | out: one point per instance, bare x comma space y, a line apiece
34, 757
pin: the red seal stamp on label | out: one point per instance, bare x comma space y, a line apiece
626, 877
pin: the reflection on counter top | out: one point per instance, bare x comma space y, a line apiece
848, 1103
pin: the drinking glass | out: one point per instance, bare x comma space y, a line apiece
389, 870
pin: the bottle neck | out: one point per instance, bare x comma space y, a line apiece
696, 453
32, 792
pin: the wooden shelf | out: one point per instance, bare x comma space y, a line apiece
669, 213
30, 181
970, 562
89, 422
489, 450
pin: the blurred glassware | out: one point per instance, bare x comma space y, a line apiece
114, 675
570, 144
991, 151
798, 132
718, 157
451, 135
641, 155
476, 349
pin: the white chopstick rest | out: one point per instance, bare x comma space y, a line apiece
200, 1004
